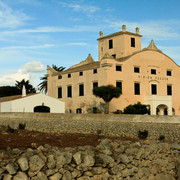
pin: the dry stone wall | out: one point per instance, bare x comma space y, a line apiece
115, 125
110, 160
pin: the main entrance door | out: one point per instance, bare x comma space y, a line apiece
44, 109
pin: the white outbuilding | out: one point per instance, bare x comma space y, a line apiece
31, 103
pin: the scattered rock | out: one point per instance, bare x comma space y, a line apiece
23, 163
11, 169
36, 163
20, 176
107, 161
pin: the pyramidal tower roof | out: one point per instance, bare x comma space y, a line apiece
152, 46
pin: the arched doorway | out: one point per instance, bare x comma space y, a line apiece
78, 111
162, 109
44, 109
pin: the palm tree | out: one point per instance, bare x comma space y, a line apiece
28, 86
43, 85
107, 93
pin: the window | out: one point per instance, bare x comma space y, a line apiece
59, 92
114, 56
81, 90
81, 73
110, 44
168, 72
119, 85
136, 69
95, 84
69, 75
153, 89
136, 88
118, 68
78, 110
59, 77
94, 71
169, 90
69, 91
132, 42
153, 71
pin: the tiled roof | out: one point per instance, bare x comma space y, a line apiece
10, 98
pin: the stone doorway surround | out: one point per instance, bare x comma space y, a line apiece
159, 102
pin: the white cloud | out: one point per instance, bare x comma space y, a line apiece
48, 29
159, 30
89, 10
10, 18
33, 67
28, 47
29, 71
77, 44
11, 78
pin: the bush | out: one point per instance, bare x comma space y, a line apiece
161, 137
10, 130
136, 109
143, 134
117, 112
22, 126
99, 132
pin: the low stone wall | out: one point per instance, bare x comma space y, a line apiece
109, 160
115, 125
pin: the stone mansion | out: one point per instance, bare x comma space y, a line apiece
144, 75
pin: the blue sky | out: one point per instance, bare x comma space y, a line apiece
37, 33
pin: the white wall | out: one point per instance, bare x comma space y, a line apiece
5, 107
27, 104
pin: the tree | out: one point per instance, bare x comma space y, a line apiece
107, 93
9, 91
28, 86
136, 109
43, 85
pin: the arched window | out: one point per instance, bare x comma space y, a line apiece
78, 111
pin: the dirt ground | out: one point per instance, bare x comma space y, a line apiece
23, 139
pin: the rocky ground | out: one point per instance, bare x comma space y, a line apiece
23, 139
107, 159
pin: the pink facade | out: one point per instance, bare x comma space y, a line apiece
145, 75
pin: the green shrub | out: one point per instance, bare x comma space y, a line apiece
22, 126
161, 137
136, 109
143, 134
10, 130
99, 132
117, 112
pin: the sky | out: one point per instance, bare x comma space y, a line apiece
37, 33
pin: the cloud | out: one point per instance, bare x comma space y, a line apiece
11, 78
159, 30
10, 18
28, 47
48, 29
33, 67
89, 10
29, 71
77, 44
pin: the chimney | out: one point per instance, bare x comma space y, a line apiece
137, 30
101, 34
124, 28
23, 91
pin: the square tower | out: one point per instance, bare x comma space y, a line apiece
119, 44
